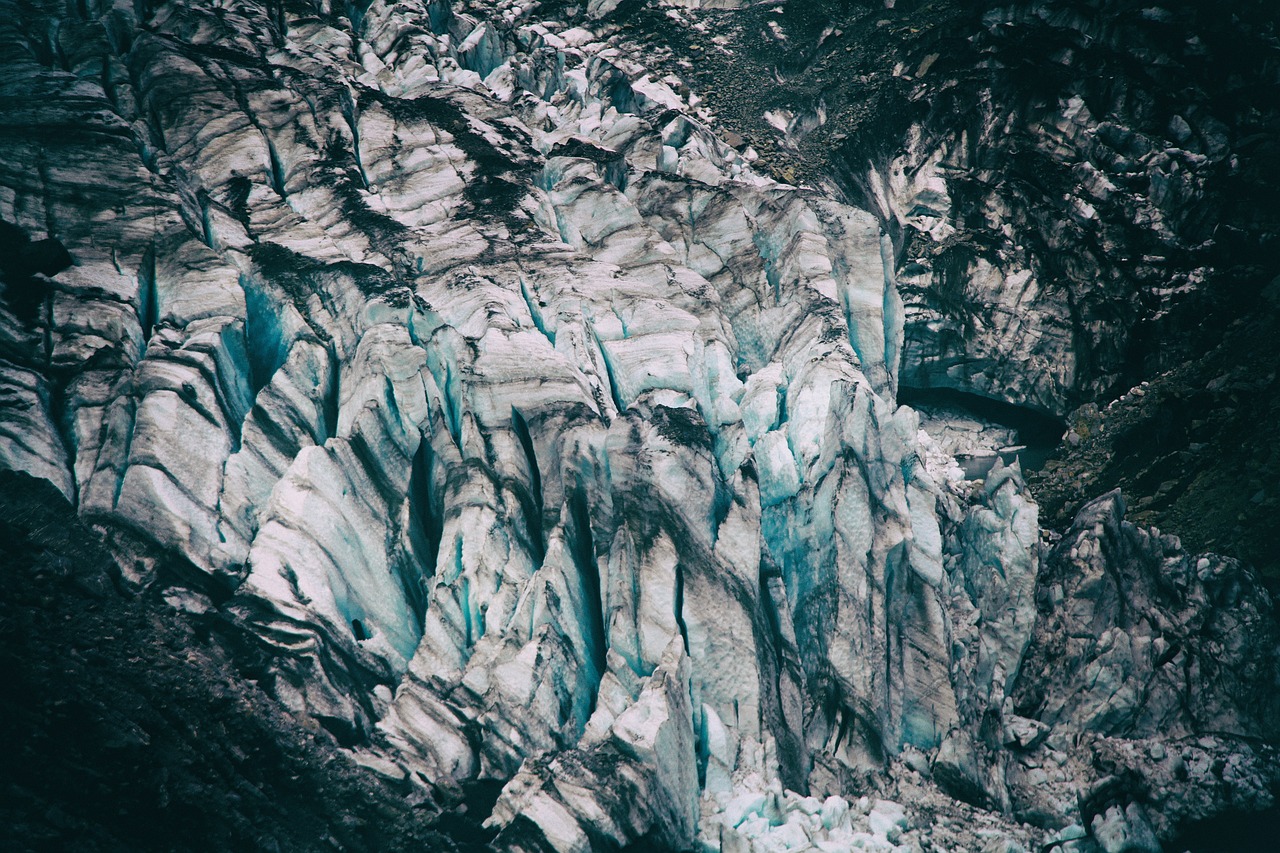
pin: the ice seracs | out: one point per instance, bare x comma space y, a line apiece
539, 440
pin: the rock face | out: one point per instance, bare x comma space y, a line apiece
537, 440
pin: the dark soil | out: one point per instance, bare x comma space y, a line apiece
126, 727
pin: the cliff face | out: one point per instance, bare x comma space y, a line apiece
517, 434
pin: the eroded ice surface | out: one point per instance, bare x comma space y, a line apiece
537, 437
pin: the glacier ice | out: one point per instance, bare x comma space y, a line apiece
538, 439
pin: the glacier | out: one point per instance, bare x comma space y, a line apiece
536, 438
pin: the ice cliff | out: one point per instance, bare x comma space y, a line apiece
535, 438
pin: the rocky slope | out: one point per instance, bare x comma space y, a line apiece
1193, 448
132, 730
532, 444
